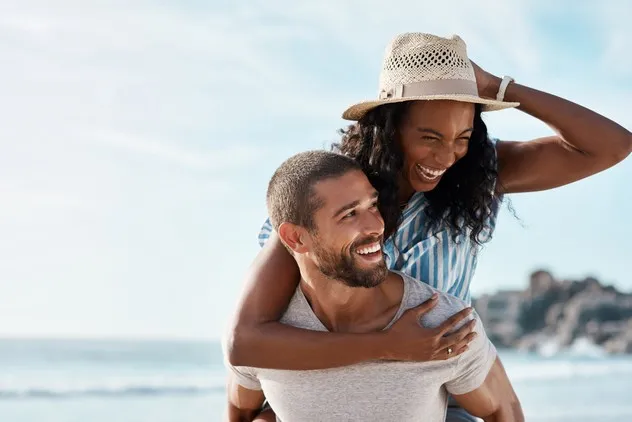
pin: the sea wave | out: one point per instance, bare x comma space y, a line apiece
563, 370
106, 388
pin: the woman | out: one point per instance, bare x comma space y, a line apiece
425, 147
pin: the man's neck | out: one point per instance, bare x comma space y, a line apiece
352, 309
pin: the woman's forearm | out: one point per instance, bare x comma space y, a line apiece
278, 346
258, 339
586, 143
582, 129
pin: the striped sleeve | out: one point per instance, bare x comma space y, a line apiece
265, 232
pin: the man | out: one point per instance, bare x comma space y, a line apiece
325, 212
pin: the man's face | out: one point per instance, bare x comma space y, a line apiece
346, 244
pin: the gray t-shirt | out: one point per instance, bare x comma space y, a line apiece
376, 390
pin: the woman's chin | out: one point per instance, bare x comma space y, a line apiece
420, 185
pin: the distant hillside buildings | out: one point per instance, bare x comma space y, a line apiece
560, 311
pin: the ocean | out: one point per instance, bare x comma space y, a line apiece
160, 381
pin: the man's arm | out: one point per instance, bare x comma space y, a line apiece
495, 400
244, 404
480, 384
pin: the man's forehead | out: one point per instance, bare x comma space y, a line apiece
351, 186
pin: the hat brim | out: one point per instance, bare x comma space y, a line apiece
357, 111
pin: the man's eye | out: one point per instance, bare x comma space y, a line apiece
349, 214
375, 204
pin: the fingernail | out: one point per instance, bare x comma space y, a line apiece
434, 296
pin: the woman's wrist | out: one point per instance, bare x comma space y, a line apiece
379, 347
491, 88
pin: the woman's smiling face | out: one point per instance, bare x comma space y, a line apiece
433, 136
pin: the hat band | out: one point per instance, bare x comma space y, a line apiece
433, 87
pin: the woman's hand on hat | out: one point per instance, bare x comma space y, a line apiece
486, 83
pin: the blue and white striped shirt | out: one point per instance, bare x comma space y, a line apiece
433, 258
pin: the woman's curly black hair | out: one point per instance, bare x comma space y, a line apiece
464, 198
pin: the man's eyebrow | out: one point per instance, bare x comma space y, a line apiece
353, 204
346, 207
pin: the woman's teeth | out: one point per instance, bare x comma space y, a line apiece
369, 249
428, 173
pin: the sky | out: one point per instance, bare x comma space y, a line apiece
137, 140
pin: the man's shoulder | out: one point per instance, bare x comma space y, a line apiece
300, 314
417, 292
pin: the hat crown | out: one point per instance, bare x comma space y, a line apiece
424, 67
414, 57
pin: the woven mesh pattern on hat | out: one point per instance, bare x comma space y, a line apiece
417, 57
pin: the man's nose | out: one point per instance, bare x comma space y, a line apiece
373, 223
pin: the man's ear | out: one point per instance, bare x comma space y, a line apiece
294, 237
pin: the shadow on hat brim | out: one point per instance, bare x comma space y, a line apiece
357, 111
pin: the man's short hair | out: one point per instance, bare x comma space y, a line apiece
291, 197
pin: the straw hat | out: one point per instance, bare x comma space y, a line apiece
421, 66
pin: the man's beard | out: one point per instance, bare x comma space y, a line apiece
343, 267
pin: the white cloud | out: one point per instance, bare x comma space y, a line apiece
23, 208
26, 24
214, 160
367, 26
17, 199
608, 23
617, 56
213, 67
134, 66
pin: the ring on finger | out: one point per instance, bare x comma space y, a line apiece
449, 351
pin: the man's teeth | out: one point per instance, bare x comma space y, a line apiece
369, 249
429, 173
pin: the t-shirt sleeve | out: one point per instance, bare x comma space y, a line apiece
245, 377
473, 365
265, 232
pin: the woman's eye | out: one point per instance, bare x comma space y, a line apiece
349, 214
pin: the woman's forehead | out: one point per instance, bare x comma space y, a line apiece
438, 111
